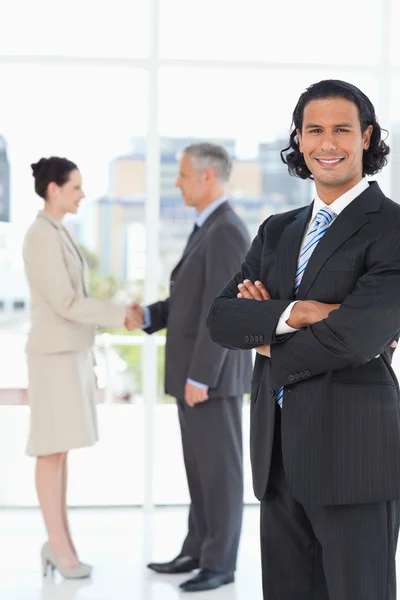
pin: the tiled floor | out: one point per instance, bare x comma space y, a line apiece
119, 543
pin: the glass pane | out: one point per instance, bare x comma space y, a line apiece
90, 115
242, 114
79, 28
394, 33
290, 31
394, 138
251, 122
94, 129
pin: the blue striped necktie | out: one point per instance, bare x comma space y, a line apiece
323, 219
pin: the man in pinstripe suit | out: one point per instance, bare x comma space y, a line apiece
318, 297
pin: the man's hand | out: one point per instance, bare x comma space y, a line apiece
308, 312
195, 395
264, 350
253, 291
134, 317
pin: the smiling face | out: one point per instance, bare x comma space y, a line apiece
332, 145
66, 198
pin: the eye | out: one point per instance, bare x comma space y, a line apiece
342, 130
315, 130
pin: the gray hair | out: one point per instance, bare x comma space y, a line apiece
205, 155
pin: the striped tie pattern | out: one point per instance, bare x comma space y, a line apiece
323, 219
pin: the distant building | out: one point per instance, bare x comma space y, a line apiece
258, 188
4, 182
394, 158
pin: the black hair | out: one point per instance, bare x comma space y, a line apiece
53, 169
374, 158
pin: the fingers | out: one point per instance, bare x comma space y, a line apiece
252, 291
262, 289
194, 395
393, 344
264, 350
134, 317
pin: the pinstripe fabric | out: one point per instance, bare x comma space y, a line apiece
341, 423
325, 552
322, 222
339, 481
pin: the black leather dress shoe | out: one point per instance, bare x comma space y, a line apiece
206, 579
180, 564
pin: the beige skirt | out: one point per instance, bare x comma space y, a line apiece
62, 399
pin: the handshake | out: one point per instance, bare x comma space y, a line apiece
134, 317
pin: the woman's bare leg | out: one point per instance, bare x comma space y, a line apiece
50, 491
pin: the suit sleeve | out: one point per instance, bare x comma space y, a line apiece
225, 250
45, 268
239, 323
159, 312
362, 328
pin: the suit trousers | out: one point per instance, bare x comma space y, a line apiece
212, 449
325, 552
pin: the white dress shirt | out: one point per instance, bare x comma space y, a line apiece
337, 207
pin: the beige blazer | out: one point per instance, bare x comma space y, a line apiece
63, 317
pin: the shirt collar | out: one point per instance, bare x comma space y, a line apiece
343, 201
208, 211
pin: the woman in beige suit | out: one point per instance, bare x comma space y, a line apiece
59, 349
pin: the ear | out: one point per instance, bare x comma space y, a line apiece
52, 188
367, 137
298, 133
208, 175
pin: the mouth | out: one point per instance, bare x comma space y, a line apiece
329, 162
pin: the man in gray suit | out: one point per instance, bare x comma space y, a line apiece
208, 381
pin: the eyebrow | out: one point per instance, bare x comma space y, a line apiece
313, 125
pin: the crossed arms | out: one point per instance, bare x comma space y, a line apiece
330, 337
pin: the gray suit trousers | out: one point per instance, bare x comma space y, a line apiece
212, 449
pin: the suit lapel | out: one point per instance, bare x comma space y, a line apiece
68, 245
195, 239
288, 251
75, 253
351, 220
192, 243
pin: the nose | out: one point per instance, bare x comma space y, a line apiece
178, 183
328, 142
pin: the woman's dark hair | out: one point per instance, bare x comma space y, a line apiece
374, 158
53, 169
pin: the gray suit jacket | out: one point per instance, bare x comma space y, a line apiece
212, 256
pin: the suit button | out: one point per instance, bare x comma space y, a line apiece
252, 338
291, 377
261, 338
246, 338
302, 374
308, 373
271, 392
256, 338
297, 376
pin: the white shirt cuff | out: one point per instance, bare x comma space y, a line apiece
197, 384
283, 327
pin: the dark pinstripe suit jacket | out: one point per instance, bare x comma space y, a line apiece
341, 411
